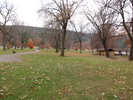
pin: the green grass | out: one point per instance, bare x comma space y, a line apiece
46, 76
18, 50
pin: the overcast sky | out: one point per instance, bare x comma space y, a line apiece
27, 11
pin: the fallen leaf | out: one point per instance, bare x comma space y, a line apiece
115, 96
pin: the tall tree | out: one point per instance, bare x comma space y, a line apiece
10, 34
47, 46
57, 36
62, 11
95, 42
43, 35
37, 41
23, 32
103, 20
120, 6
7, 13
79, 28
76, 47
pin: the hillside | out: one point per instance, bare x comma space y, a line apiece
36, 31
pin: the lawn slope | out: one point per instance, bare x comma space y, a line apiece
46, 76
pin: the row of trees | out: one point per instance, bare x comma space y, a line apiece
105, 19
60, 11
16, 32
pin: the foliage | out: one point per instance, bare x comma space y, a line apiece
47, 46
76, 46
83, 46
30, 44
38, 36
77, 76
127, 42
24, 45
18, 44
37, 41
8, 45
41, 46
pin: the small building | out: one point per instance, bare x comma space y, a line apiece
110, 50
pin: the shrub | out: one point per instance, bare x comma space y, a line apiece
41, 46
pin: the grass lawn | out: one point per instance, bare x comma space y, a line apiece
46, 76
18, 50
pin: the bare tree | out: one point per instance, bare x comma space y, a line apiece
79, 28
95, 42
120, 6
68, 42
7, 13
43, 35
62, 11
56, 32
57, 36
57, 39
103, 20
23, 32
10, 34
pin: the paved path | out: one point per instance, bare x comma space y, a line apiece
13, 57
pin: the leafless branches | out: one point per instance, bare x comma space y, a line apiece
61, 11
120, 7
103, 21
7, 13
79, 28
22, 31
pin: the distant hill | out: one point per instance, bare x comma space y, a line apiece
36, 31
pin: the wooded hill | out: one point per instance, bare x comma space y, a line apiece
36, 31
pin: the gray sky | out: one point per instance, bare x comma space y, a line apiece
27, 11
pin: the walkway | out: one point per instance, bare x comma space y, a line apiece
13, 57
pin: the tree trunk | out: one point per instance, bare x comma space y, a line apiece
4, 42
63, 41
132, 27
92, 49
22, 46
106, 50
56, 47
126, 52
131, 51
57, 43
68, 48
80, 46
